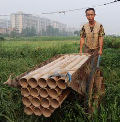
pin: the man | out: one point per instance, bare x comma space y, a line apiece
92, 34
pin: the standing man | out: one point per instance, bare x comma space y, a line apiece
92, 34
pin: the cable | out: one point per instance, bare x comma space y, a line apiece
72, 10
81, 8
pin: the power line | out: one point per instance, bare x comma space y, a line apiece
72, 10
4, 15
16, 14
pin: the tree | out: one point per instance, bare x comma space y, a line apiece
29, 32
77, 33
14, 33
2, 38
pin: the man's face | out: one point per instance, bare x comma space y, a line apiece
90, 15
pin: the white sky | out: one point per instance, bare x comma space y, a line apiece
108, 15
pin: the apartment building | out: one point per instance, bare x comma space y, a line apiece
4, 26
58, 25
20, 21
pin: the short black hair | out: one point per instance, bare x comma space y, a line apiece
90, 9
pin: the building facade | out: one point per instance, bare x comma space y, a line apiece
20, 21
4, 26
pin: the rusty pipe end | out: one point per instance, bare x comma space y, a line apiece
23, 82
35, 91
25, 92
46, 112
28, 110
26, 101
45, 102
51, 83
32, 82
42, 83
36, 101
61, 84
43, 93
53, 93
37, 111
54, 103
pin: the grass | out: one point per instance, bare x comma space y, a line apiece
18, 56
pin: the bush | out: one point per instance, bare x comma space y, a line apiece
2, 39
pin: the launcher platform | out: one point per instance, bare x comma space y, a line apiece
45, 87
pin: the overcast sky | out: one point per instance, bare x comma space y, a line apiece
108, 15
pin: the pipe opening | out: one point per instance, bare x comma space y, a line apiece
37, 111
53, 93
34, 92
51, 83
42, 83
51, 109
23, 82
28, 111
26, 101
25, 92
43, 93
32, 82
45, 103
46, 112
35, 102
61, 84
54, 103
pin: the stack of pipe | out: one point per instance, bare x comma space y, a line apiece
42, 94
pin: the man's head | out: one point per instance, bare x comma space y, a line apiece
90, 14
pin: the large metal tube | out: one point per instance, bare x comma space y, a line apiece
45, 66
45, 102
35, 91
43, 92
36, 101
46, 112
42, 82
23, 82
68, 61
38, 73
28, 110
37, 111
55, 103
26, 101
51, 83
61, 83
32, 82
25, 92
76, 61
34, 77
54, 93
51, 109
77, 66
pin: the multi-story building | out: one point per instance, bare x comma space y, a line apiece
58, 25
20, 21
4, 23
43, 23
4, 26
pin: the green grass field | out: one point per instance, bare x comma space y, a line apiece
18, 55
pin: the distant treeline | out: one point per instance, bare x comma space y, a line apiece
49, 31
